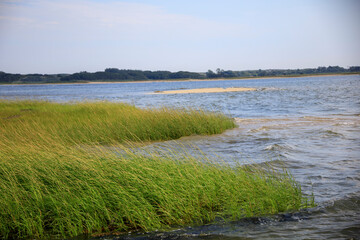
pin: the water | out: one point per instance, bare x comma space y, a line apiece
309, 125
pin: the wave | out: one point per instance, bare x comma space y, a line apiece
348, 203
280, 147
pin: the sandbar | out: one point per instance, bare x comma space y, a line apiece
206, 90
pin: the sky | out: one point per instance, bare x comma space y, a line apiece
53, 36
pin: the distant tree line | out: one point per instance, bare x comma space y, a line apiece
115, 74
30, 78
220, 73
132, 75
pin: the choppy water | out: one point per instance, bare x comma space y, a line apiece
310, 125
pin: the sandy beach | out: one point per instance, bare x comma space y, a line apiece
206, 90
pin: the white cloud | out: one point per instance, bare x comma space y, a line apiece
16, 20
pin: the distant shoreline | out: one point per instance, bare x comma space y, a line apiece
215, 79
185, 80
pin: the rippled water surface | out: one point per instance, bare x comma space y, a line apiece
309, 125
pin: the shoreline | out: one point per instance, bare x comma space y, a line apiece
219, 79
184, 80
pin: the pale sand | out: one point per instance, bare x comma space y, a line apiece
206, 90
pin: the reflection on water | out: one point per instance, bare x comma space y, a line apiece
309, 125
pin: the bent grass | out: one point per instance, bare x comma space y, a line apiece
58, 179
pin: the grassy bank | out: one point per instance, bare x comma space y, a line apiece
58, 179
104, 122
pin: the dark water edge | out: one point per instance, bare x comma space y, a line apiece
310, 126
333, 217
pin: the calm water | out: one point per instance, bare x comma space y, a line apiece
309, 125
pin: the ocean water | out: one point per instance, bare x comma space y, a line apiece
309, 125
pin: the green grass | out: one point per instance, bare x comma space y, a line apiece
105, 122
57, 178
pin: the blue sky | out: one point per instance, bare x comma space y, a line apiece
43, 36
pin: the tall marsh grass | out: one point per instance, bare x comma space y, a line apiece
57, 178
106, 122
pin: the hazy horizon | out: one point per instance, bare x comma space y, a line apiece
49, 37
